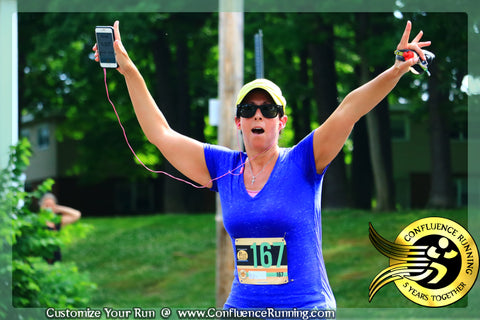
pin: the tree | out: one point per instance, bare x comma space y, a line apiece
173, 95
59, 79
361, 181
335, 194
445, 101
177, 54
378, 119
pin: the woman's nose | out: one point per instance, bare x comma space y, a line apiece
258, 114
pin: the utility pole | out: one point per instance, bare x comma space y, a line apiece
231, 47
259, 65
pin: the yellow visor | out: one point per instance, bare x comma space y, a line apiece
266, 85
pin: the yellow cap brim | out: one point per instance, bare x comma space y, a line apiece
265, 84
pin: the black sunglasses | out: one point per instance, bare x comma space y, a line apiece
248, 110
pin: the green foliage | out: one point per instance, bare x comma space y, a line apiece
178, 53
60, 80
35, 282
59, 77
39, 284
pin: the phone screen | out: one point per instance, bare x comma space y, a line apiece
105, 47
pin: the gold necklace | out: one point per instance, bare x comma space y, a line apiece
251, 171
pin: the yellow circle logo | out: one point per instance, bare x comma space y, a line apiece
242, 255
434, 262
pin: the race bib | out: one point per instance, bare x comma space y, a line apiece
261, 260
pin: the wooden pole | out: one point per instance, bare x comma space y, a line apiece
229, 84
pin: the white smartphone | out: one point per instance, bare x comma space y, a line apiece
105, 38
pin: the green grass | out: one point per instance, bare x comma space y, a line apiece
169, 260
144, 261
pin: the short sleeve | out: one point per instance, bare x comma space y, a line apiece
304, 156
219, 160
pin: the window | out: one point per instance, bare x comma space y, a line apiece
400, 127
43, 137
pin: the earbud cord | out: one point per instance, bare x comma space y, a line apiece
163, 172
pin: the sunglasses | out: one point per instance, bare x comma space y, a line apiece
248, 110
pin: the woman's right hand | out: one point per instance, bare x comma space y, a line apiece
182, 152
123, 60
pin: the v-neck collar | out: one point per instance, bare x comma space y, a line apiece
270, 177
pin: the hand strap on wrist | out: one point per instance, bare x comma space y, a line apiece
421, 66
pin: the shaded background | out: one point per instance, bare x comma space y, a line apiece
410, 152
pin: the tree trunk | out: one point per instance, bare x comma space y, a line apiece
335, 191
379, 138
441, 193
362, 181
378, 128
166, 97
302, 109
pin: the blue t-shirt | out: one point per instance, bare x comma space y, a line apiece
288, 206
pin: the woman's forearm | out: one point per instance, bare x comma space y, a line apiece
363, 99
69, 215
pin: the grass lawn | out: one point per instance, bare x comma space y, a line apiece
145, 261
169, 260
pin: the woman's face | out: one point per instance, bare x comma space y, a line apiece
48, 203
259, 131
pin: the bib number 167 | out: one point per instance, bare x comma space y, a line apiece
265, 254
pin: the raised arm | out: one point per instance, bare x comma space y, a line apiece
182, 152
69, 215
330, 137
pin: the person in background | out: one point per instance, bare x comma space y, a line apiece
68, 216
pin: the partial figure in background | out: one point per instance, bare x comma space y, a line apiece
68, 216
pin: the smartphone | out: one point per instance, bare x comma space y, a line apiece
105, 38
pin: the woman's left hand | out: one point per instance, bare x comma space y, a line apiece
416, 45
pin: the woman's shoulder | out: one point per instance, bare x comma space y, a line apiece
303, 146
220, 150
301, 155
222, 155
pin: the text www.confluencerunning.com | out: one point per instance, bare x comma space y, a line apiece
209, 313
269, 313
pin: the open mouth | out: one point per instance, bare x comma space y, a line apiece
258, 130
